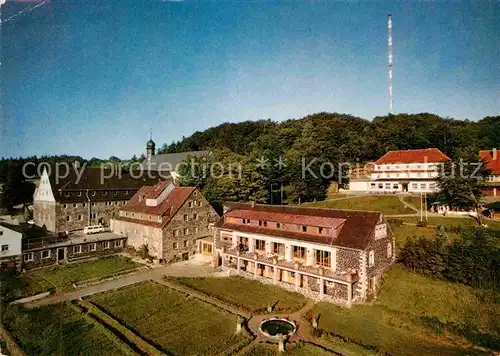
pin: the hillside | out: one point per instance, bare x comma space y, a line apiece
368, 139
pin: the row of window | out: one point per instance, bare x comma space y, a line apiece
396, 185
185, 243
79, 217
93, 193
186, 231
301, 228
387, 175
194, 203
141, 216
195, 217
418, 166
106, 203
77, 249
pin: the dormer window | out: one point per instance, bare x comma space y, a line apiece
278, 225
260, 222
304, 228
149, 217
321, 230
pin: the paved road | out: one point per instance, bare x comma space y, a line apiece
191, 268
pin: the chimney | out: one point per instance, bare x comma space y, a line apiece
494, 154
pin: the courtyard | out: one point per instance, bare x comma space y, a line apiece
189, 308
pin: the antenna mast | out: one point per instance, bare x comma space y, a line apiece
389, 45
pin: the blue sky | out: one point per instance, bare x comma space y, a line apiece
91, 77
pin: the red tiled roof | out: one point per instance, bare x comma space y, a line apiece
318, 221
355, 232
167, 208
428, 155
491, 163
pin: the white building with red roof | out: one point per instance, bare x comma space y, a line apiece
173, 222
490, 158
407, 171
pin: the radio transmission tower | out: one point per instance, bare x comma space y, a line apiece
389, 45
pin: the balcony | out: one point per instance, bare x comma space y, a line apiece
273, 260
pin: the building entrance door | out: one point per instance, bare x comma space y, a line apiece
405, 187
61, 254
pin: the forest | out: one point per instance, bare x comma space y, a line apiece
272, 154
320, 138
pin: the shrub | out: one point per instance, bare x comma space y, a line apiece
396, 222
422, 223
473, 259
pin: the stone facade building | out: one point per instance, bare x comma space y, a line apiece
76, 198
333, 255
173, 222
49, 251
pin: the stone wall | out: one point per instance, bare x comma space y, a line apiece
291, 287
382, 261
100, 251
80, 214
336, 290
139, 235
197, 228
347, 259
44, 213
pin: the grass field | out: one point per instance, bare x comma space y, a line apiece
403, 232
297, 349
246, 294
452, 221
413, 201
395, 323
389, 205
19, 286
57, 329
174, 322
65, 275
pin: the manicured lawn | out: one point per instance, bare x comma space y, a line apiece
413, 200
57, 330
450, 302
246, 294
23, 285
65, 275
403, 232
172, 321
389, 205
445, 221
453, 221
297, 349
395, 323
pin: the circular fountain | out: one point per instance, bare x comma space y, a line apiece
273, 327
